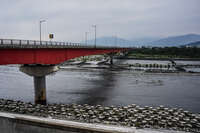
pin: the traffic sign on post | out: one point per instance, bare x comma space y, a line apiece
51, 36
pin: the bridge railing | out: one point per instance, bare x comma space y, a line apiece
17, 42
36, 42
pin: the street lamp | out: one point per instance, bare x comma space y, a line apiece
95, 34
86, 33
41, 21
115, 40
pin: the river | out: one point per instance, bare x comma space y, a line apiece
107, 87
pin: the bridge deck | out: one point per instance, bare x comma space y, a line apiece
36, 52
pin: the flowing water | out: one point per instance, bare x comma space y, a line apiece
107, 87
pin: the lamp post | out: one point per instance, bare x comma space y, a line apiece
86, 33
115, 40
95, 34
41, 21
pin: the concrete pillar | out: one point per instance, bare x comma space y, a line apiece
40, 89
39, 72
111, 59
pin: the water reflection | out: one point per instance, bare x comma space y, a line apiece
100, 90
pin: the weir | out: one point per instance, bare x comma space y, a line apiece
39, 73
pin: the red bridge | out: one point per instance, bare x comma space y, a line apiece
46, 52
39, 58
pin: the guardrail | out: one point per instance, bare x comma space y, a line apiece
18, 123
36, 43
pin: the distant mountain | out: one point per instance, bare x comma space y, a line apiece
194, 44
176, 40
144, 41
112, 41
169, 41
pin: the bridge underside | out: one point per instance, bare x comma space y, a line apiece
47, 56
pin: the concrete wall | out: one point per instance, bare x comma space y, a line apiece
15, 123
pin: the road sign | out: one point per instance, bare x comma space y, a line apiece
51, 36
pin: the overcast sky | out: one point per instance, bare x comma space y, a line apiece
70, 19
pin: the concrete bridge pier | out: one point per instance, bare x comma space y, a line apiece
39, 73
111, 58
40, 89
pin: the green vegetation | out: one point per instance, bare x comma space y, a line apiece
166, 52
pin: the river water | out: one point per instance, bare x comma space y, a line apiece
107, 87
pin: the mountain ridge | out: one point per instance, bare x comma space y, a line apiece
194, 44
177, 40
168, 41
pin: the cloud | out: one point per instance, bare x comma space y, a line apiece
70, 19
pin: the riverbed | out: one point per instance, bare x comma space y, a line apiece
107, 87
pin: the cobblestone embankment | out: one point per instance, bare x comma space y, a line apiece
132, 115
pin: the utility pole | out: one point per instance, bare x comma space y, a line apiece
41, 21
95, 35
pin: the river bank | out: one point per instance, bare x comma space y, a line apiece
132, 115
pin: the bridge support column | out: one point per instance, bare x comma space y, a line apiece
39, 77
111, 59
40, 89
